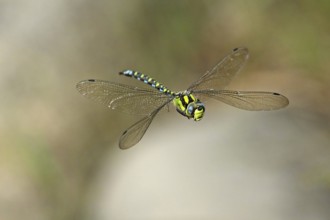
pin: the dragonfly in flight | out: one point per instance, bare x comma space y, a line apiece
148, 102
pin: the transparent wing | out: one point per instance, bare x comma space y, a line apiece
135, 133
127, 98
253, 101
221, 75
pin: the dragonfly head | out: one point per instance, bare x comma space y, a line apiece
196, 110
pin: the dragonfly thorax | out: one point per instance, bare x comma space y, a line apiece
189, 106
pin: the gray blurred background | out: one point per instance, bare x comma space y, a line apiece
59, 155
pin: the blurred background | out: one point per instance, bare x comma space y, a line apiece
59, 155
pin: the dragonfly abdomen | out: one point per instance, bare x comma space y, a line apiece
147, 80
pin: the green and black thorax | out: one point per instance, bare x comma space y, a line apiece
185, 102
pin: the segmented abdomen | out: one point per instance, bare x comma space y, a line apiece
147, 80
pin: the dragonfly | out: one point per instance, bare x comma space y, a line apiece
148, 102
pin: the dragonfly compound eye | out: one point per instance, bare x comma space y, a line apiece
190, 109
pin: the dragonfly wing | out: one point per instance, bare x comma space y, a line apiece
127, 98
221, 75
252, 101
134, 134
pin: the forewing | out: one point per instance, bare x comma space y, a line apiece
252, 101
134, 134
124, 97
221, 75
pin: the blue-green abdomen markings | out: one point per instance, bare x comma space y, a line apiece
147, 80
